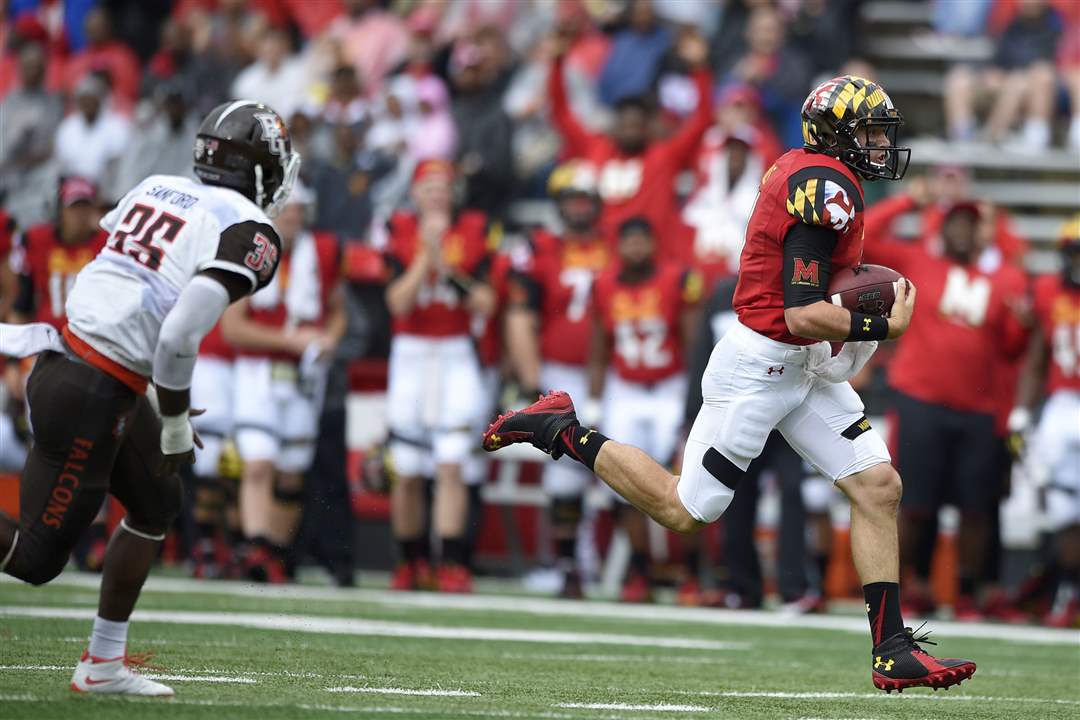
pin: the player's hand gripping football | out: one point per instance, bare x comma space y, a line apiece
902, 309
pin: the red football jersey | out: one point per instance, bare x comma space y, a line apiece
50, 266
440, 310
1057, 309
641, 184
558, 278
276, 313
802, 186
643, 319
962, 331
214, 345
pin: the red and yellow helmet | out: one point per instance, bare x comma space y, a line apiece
837, 109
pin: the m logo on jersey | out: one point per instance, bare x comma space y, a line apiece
273, 132
806, 273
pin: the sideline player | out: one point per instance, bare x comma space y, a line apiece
109, 396
644, 316
774, 370
1053, 457
547, 331
284, 336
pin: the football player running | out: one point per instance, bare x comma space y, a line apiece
110, 394
773, 369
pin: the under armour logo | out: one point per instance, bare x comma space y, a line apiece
887, 663
778, 371
866, 324
585, 438
494, 441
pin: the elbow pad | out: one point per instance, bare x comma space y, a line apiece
194, 315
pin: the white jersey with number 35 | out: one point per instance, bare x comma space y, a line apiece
162, 233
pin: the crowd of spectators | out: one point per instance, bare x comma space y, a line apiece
707, 93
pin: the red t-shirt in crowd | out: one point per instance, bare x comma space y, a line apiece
641, 184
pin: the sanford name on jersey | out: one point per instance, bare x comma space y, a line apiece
806, 187
162, 233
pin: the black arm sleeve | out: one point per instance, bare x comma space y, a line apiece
251, 249
807, 253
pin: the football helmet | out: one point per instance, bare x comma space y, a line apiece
1069, 243
244, 145
835, 111
574, 186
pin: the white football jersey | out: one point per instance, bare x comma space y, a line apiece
161, 234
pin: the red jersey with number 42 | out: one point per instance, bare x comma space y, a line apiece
643, 319
48, 268
440, 306
1057, 309
801, 186
556, 279
165, 231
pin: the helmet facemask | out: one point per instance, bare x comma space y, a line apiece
290, 170
860, 157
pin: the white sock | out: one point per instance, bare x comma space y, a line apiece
1074, 132
108, 639
1036, 133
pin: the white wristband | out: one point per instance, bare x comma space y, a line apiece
177, 437
1019, 419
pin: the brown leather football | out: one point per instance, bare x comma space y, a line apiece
867, 289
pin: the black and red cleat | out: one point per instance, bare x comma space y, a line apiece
899, 663
539, 424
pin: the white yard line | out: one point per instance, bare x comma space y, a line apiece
180, 676
899, 697
662, 707
572, 608
434, 692
382, 628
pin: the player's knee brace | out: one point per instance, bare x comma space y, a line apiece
567, 511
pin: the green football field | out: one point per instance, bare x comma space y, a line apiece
234, 650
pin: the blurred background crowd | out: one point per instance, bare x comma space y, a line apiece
557, 191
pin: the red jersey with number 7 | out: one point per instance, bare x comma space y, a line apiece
806, 187
555, 278
161, 234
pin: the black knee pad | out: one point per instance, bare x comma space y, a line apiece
567, 510
725, 471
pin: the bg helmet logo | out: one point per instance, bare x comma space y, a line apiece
273, 132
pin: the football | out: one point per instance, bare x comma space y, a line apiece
867, 289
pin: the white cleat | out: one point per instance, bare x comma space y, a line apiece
96, 675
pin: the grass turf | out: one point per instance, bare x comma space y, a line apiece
229, 671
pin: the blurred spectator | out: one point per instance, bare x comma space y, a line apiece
485, 133
780, 72
345, 102
277, 78
31, 115
435, 135
373, 40
635, 54
824, 31
961, 18
90, 140
161, 142
218, 53
636, 173
1068, 63
27, 30
172, 55
105, 55
729, 170
1020, 78
342, 183
945, 436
